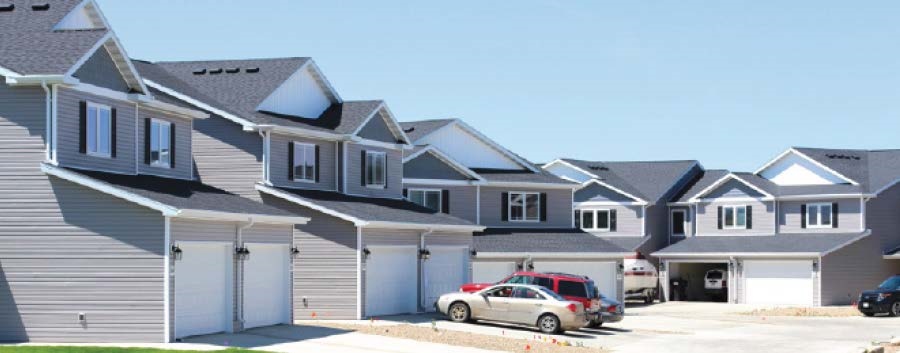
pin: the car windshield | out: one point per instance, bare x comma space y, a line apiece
714, 275
892, 283
590, 288
550, 294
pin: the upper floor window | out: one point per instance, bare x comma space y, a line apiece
304, 162
160, 143
426, 197
375, 169
819, 215
524, 207
99, 130
598, 220
733, 217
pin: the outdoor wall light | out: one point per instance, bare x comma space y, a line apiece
530, 266
473, 253
242, 253
366, 252
176, 252
662, 266
424, 254
295, 252
815, 266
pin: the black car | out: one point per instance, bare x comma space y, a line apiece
885, 299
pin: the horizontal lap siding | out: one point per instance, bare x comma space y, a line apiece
763, 218
183, 131
853, 269
462, 199
280, 162
849, 220
375, 237
455, 239
882, 218
268, 233
66, 249
629, 219
228, 157
68, 117
394, 158
559, 208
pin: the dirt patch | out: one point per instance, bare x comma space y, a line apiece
834, 311
465, 339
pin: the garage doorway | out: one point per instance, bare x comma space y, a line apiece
391, 280
699, 281
267, 285
444, 272
203, 289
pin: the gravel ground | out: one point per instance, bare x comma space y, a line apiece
541, 344
834, 311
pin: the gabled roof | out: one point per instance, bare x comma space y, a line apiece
529, 240
866, 171
811, 244
417, 151
418, 129
647, 180
521, 176
627, 242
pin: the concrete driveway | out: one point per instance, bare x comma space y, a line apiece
705, 327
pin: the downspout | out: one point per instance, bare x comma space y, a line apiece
167, 277
267, 138
239, 273
49, 125
137, 145
421, 263
732, 286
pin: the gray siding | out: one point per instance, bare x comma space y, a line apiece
849, 219
279, 164
227, 157
853, 269
458, 239
559, 208
629, 219
689, 216
462, 199
427, 166
377, 129
268, 233
183, 160
394, 188
763, 218
657, 220
883, 218
733, 188
68, 132
375, 237
65, 249
100, 70
595, 192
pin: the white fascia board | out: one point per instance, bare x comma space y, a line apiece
727, 255
392, 124
822, 196
247, 124
301, 132
493, 144
808, 158
32, 80
888, 186
61, 173
241, 217
148, 102
8, 73
570, 165
319, 76
134, 80
516, 184
441, 182
90, 52
734, 199
127, 60
608, 203
613, 188
862, 235
424, 226
724, 179
895, 256
300, 201
367, 142
552, 255
446, 159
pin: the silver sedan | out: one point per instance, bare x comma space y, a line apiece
515, 303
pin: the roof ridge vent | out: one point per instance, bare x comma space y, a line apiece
215, 71
406, 131
842, 156
40, 7
199, 72
598, 167
251, 70
7, 7
233, 70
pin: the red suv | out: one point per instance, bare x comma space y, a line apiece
571, 287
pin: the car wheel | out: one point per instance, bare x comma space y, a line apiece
595, 324
895, 309
549, 323
649, 298
869, 314
459, 312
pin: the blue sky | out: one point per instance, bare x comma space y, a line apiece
731, 83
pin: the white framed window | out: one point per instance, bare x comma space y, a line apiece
376, 163
430, 198
160, 143
596, 220
818, 215
99, 130
734, 217
524, 207
305, 162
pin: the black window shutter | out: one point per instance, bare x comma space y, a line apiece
82, 127
172, 145
834, 215
543, 201
612, 220
362, 163
291, 160
445, 201
802, 216
749, 217
317, 163
405, 193
386, 171
504, 207
720, 217
112, 133
577, 219
147, 140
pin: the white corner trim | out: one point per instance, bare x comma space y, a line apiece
808, 158
359, 274
167, 273
320, 77
241, 217
187, 99
446, 159
725, 178
613, 188
61, 173
570, 165
726, 255
8, 73
297, 200
553, 255
490, 143
862, 235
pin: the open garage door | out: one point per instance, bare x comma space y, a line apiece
203, 291
778, 282
602, 272
491, 272
391, 280
267, 285
445, 272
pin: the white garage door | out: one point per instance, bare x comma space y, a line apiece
266, 285
778, 282
603, 273
445, 272
391, 280
203, 291
491, 272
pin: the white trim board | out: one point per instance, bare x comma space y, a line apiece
725, 178
551, 255
792, 150
613, 188
389, 119
446, 159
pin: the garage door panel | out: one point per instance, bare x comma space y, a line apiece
266, 285
491, 272
203, 292
778, 282
445, 272
391, 280
602, 272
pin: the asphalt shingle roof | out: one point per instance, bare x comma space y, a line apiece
707, 178
183, 194
627, 243
521, 176
648, 180
779, 243
376, 209
872, 169
417, 129
542, 240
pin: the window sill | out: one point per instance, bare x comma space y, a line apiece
376, 187
820, 227
99, 155
524, 221
161, 166
304, 181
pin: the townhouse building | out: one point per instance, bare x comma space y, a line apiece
106, 233
812, 227
527, 211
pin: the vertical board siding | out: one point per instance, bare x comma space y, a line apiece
378, 130
657, 218
733, 188
595, 192
394, 158
462, 199
183, 160
427, 166
629, 219
559, 208
227, 157
279, 164
763, 218
100, 70
68, 113
66, 249
853, 269
789, 217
